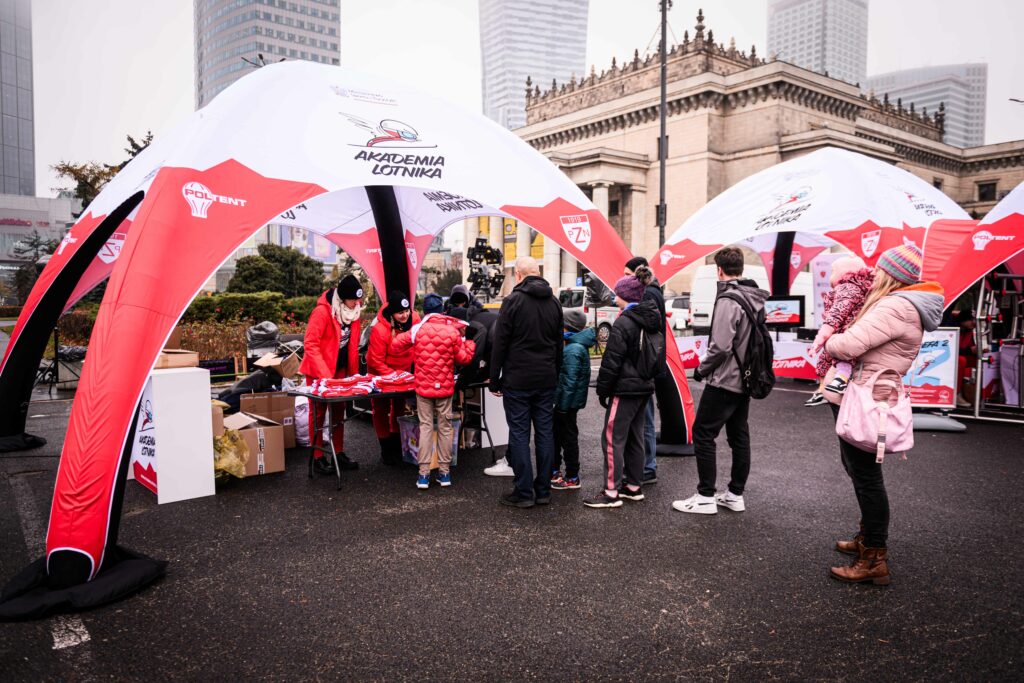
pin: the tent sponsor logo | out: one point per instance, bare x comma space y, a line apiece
291, 213
667, 256
794, 259
789, 207
869, 242
577, 229
146, 416
111, 249
200, 197
982, 238
403, 165
388, 133
447, 201
364, 95
410, 247
923, 205
68, 239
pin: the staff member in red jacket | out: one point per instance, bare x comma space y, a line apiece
382, 359
332, 351
438, 346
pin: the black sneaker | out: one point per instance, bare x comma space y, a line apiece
650, 479
837, 385
629, 494
816, 399
602, 500
513, 500
323, 465
344, 463
542, 500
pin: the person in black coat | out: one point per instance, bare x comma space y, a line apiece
525, 361
652, 292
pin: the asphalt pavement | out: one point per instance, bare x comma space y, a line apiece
283, 578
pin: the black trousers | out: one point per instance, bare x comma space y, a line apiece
719, 407
868, 484
622, 441
567, 442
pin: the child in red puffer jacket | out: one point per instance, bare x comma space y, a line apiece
851, 279
438, 346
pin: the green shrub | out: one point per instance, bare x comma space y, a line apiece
10, 311
75, 328
228, 307
298, 309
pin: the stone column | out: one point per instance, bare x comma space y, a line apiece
522, 239
639, 242
569, 269
470, 231
497, 237
552, 263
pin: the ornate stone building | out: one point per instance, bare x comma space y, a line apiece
730, 114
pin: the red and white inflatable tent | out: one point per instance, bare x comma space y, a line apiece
377, 168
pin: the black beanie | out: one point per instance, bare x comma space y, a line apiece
350, 288
397, 302
636, 262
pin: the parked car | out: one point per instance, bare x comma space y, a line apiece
677, 310
602, 317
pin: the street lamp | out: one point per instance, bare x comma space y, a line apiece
665, 6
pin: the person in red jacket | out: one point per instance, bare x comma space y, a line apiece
395, 318
332, 351
438, 346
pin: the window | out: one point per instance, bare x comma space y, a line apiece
613, 207
937, 183
987, 192
681, 302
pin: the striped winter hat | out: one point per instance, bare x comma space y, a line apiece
903, 263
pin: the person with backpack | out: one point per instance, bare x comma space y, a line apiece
884, 337
625, 384
571, 398
738, 366
652, 291
392, 320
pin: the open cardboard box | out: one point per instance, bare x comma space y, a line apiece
265, 439
275, 405
286, 366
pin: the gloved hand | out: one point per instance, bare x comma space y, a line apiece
697, 377
605, 401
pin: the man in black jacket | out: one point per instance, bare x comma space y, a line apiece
525, 362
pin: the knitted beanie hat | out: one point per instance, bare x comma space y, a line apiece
903, 263
349, 288
432, 303
630, 289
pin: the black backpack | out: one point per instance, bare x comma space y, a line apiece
756, 371
650, 355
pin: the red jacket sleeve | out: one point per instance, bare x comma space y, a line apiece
401, 343
377, 353
312, 343
464, 350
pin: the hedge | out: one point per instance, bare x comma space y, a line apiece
10, 311
226, 307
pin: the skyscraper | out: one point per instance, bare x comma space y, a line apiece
962, 87
542, 39
16, 119
227, 30
821, 35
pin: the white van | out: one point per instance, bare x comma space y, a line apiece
705, 287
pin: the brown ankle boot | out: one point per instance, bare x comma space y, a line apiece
850, 547
871, 565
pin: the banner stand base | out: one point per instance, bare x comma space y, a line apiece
20, 442
28, 595
930, 422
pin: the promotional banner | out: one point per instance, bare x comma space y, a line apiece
821, 274
143, 463
692, 350
793, 359
931, 380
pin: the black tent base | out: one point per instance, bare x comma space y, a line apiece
27, 595
20, 442
673, 449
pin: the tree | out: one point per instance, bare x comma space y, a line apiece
255, 274
445, 279
31, 249
90, 177
300, 274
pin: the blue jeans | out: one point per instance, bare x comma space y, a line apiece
523, 408
650, 443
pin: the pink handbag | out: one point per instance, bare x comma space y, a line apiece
875, 425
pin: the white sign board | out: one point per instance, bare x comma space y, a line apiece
931, 380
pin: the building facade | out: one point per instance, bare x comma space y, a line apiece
542, 39
16, 109
20, 216
730, 114
228, 30
826, 36
960, 88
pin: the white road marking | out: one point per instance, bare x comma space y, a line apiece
67, 629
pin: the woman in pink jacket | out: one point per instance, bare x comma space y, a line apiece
885, 335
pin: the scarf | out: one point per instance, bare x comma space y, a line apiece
342, 313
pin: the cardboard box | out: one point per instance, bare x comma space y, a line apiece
218, 420
177, 358
286, 366
265, 439
174, 341
255, 404
277, 406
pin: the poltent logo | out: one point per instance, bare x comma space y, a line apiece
388, 133
200, 197
983, 237
869, 242
667, 256
577, 229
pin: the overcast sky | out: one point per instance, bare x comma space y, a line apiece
106, 68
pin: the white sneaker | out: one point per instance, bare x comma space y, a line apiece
500, 469
731, 501
697, 504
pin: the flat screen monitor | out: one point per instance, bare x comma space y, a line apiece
784, 311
